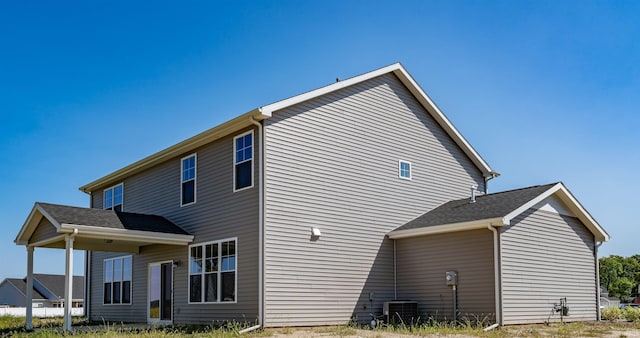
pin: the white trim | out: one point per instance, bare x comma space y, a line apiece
572, 204
234, 160
266, 112
104, 199
400, 162
558, 189
438, 229
128, 235
159, 321
47, 241
195, 179
122, 280
218, 273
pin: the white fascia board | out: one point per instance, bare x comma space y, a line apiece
510, 216
439, 229
572, 203
86, 231
270, 108
443, 121
178, 149
582, 214
31, 223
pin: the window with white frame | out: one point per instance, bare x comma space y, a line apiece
117, 280
188, 180
113, 197
212, 272
404, 170
243, 161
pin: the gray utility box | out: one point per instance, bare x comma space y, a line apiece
400, 311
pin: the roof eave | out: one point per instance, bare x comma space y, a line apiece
266, 112
87, 231
445, 228
187, 145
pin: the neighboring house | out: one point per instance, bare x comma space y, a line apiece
48, 291
318, 209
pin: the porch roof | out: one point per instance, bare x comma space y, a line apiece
97, 229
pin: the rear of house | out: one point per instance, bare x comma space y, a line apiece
214, 278
313, 210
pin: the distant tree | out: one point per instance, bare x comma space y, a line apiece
620, 275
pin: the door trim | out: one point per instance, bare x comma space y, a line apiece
150, 320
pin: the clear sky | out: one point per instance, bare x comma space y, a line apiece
545, 91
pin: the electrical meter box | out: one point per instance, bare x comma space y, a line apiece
452, 277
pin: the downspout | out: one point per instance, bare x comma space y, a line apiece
496, 282
260, 228
595, 254
87, 273
491, 176
395, 272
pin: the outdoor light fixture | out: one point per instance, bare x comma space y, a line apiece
315, 232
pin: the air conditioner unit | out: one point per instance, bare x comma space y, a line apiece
400, 311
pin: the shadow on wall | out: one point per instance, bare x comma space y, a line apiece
379, 286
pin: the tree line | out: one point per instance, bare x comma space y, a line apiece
621, 276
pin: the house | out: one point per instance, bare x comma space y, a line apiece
48, 291
321, 208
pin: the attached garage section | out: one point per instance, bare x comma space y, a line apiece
547, 256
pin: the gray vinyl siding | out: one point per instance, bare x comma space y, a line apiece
218, 214
44, 230
12, 296
332, 163
423, 261
546, 256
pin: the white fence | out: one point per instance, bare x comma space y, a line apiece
40, 312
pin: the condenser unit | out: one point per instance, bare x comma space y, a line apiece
400, 311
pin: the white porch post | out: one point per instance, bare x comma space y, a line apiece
29, 301
68, 281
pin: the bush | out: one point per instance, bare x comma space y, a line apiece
631, 314
611, 313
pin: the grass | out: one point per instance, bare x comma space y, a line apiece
52, 327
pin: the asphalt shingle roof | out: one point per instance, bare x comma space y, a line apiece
111, 219
487, 206
21, 285
55, 284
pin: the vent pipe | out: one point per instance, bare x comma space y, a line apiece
473, 193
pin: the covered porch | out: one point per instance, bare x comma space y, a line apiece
69, 228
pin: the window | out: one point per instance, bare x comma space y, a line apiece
212, 272
404, 170
188, 177
113, 198
117, 280
242, 159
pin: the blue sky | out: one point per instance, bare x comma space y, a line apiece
545, 91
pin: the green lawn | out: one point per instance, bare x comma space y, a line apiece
52, 327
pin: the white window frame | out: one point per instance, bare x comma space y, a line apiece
253, 143
219, 273
195, 178
104, 197
400, 163
104, 262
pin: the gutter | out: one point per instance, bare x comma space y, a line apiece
595, 255
496, 282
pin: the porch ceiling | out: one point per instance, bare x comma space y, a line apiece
96, 229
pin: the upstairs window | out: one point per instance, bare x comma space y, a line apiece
188, 179
243, 161
117, 280
212, 272
404, 170
113, 198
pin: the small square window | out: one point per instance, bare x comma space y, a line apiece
113, 198
404, 170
